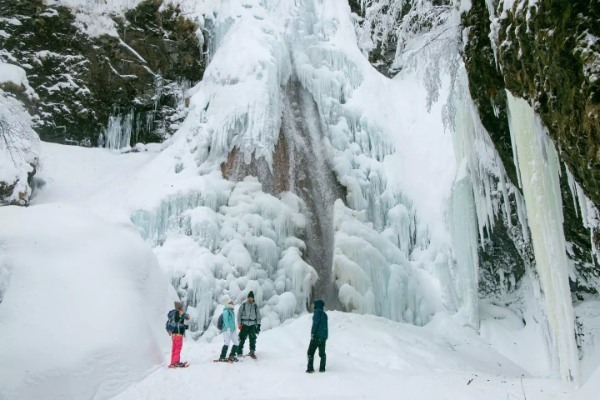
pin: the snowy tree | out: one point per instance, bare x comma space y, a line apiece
426, 35
18, 152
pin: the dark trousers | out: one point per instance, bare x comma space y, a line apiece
316, 343
247, 331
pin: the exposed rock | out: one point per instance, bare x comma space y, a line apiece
83, 81
549, 54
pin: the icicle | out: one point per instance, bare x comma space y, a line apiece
538, 166
118, 132
464, 236
590, 216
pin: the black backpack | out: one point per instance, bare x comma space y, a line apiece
171, 325
220, 322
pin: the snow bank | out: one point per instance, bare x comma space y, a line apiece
84, 308
591, 389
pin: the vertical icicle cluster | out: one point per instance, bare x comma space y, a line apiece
538, 167
463, 223
118, 132
585, 209
232, 238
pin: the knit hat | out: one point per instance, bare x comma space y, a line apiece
178, 305
251, 294
227, 301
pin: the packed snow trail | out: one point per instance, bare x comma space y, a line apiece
367, 358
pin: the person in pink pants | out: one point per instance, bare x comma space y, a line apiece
176, 328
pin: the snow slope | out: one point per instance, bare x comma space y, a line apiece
368, 357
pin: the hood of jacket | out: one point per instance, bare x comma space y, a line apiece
319, 304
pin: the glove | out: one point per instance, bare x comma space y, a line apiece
240, 327
257, 329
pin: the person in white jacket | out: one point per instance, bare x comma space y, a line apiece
229, 333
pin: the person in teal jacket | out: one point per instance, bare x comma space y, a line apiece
229, 333
319, 333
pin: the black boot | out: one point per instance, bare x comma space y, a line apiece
232, 356
310, 369
223, 356
322, 363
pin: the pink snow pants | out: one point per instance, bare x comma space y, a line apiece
176, 351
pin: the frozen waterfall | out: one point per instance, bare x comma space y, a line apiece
538, 167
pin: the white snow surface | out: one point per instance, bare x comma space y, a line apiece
368, 357
82, 304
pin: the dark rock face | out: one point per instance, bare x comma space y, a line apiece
83, 81
486, 84
545, 55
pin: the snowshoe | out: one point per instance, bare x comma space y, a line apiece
179, 365
252, 355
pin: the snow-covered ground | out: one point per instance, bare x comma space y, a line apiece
94, 353
368, 357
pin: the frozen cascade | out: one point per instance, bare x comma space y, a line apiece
539, 169
584, 207
370, 264
463, 220
231, 239
313, 180
298, 182
118, 132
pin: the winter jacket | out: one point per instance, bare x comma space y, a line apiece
180, 326
228, 319
319, 326
248, 314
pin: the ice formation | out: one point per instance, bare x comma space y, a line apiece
286, 158
539, 169
231, 235
585, 209
241, 239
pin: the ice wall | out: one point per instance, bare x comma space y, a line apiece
242, 239
538, 167
289, 98
376, 231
